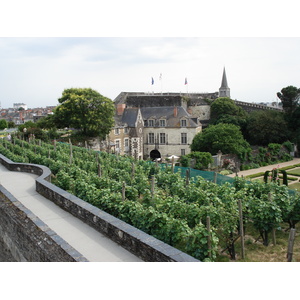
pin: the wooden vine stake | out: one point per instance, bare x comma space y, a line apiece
123, 190
71, 151
173, 164
187, 177
273, 230
54, 145
133, 169
215, 177
209, 236
152, 185
291, 244
241, 229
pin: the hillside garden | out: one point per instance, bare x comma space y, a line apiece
197, 216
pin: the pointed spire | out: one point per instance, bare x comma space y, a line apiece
224, 90
224, 83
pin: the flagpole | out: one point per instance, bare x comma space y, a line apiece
186, 83
160, 78
152, 83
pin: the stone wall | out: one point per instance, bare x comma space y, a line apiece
24, 237
134, 240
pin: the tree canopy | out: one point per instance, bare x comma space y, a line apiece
3, 124
289, 97
224, 110
266, 126
86, 110
225, 137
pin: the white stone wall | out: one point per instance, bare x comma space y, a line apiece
173, 144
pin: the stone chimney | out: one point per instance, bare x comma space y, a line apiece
120, 108
175, 111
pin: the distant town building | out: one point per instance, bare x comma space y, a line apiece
20, 105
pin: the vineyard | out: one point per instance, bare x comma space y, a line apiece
197, 216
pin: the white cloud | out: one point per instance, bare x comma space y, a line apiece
36, 70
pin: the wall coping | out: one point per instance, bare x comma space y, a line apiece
141, 244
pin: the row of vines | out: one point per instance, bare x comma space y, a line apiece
160, 202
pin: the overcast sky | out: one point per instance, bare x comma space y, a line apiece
36, 69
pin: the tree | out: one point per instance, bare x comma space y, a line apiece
47, 122
289, 97
86, 110
224, 110
225, 137
3, 124
203, 159
266, 126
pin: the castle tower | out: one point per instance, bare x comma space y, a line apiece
224, 90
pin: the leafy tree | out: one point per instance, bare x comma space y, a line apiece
225, 137
85, 109
224, 110
3, 124
289, 97
11, 124
47, 122
266, 126
203, 159
27, 125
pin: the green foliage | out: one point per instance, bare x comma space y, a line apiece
3, 124
175, 213
289, 97
265, 127
11, 124
28, 124
202, 160
224, 110
86, 110
225, 137
47, 122
185, 160
289, 146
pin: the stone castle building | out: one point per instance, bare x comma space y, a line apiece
159, 125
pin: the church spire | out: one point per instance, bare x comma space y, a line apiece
224, 90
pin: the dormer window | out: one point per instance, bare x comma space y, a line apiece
162, 123
151, 123
183, 123
117, 131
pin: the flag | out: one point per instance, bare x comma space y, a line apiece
185, 82
152, 81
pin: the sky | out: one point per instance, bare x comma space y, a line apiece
66, 44
36, 70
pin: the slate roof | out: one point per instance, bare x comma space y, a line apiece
128, 117
167, 113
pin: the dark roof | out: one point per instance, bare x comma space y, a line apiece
167, 112
128, 117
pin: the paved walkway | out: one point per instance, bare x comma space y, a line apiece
267, 168
90, 243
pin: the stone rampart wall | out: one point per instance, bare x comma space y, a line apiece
134, 240
28, 238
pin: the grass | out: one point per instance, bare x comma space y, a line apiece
295, 186
295, 172
255, 251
